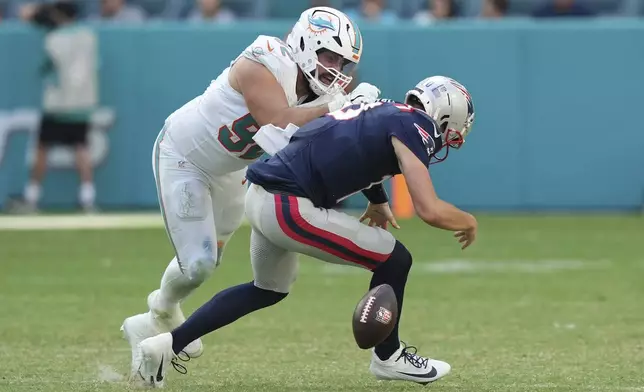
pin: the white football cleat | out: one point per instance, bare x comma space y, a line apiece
406, 365
167, 321
154, 356
146, 325
135, 330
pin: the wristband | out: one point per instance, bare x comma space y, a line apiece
376, 194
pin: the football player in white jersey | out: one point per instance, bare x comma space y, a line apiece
201, 154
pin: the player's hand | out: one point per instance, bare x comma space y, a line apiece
379, 215
364, 93
319, 101
466, 237
337, 101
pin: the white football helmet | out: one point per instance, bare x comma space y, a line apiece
325, 28
449, 103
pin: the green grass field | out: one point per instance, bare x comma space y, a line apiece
537, 304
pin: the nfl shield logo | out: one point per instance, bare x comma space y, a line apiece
383, 315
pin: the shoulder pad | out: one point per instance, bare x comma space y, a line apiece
275, 55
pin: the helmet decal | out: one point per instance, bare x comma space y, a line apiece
468, 97
356, 43
318, 24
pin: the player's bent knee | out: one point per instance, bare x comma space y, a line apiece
399, 261
280, 288
269, 297
200, 269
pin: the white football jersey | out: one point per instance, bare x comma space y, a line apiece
214, 131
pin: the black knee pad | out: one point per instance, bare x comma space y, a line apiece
399, 261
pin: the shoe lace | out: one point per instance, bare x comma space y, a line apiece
408, 354
178, 366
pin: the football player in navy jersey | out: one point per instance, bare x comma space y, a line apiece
290, 203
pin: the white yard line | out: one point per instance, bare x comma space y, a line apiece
77, 221
81, 222
464, 266
133, 220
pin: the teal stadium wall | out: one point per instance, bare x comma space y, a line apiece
558, 105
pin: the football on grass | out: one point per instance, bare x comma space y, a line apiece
375, 316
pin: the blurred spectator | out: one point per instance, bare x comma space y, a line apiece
118, 10
70, 94
211, 11
27, 12
563, 8
436, 10
372, 11
494, 8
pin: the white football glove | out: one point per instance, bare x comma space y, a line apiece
364, 93
338, 101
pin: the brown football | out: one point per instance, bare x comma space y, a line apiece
375, 316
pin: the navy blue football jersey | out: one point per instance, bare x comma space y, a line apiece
347, 151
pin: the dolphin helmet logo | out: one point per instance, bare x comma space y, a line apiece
319, 24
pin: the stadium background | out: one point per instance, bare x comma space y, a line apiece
541, 302
557, 101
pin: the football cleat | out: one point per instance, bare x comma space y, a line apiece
154, 356
146, 325
406, 365
167, 321
136, 329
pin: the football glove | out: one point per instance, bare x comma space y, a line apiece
364, 93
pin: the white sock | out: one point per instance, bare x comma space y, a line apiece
175, 287
32, 193
87, 194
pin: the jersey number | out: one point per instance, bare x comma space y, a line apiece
352, 111
284, 49
239, 139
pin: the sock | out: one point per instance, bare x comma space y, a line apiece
175, 287
224, 308
394, 272
221, 245
87, 194
32, 193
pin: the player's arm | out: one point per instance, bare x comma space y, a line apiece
428, 206
266, 99
376, 194
378, 212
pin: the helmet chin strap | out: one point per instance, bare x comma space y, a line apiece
441, 159
456, 144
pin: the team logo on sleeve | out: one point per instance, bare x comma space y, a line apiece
428, 142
